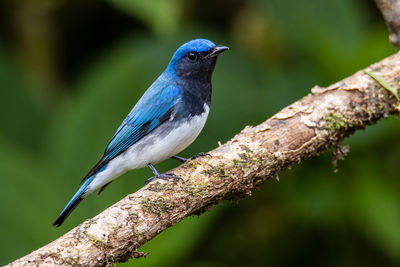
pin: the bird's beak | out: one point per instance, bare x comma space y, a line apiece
216, 50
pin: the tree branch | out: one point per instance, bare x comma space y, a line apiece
390, 10
304, 129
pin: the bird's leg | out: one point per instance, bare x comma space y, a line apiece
164, 176
183, 160
201, 154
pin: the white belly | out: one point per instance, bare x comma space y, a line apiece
163, 143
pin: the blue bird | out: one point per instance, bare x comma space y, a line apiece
166, 120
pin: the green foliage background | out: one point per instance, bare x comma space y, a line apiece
71, 70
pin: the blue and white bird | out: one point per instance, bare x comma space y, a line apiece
166, 119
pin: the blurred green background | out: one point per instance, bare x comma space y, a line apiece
71, 70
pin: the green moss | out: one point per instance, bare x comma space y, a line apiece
246, 161
218, 171
193, 164
335, 121
156, 206
197, 189
236, 162
96, 242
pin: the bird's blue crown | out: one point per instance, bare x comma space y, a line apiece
196, 45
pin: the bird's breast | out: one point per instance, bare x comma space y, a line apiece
165, 141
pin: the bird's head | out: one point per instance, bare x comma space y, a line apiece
195, 59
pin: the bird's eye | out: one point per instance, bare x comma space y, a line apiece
192, 56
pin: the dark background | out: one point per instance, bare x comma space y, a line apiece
71, 70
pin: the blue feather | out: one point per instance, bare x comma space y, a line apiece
144, 117
180, 97
72, 203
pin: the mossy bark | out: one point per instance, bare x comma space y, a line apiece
304, 129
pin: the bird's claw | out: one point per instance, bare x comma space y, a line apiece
165, 176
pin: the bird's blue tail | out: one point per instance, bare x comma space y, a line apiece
75, 200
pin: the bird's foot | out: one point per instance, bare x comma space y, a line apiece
165, 176
183, 160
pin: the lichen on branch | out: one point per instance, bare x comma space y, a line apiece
306, 128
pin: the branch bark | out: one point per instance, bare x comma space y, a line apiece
304, 129
390, 10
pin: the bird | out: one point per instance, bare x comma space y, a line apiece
166, 119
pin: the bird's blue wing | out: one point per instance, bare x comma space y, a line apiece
155, 107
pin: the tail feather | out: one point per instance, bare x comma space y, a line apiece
73, 203
66, 212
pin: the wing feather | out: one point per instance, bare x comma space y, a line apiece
147, 115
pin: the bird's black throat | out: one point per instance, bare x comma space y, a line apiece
196, 83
